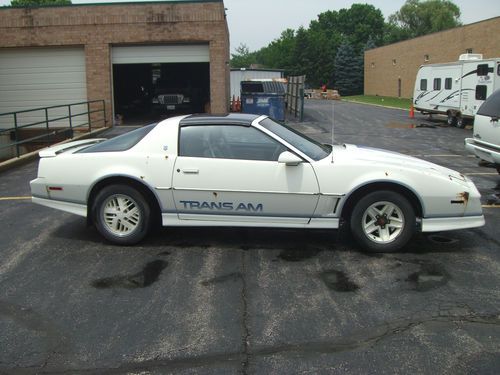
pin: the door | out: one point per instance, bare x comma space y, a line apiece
42, 77
231, 172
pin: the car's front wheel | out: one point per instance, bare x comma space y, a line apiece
383, 221
121, 214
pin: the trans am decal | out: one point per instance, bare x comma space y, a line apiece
222, 206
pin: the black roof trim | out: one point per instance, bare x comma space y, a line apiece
229, 119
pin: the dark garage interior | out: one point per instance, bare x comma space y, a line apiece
145, 93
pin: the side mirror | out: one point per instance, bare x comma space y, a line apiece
288, 158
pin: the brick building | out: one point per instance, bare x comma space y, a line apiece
118, 52
391, 70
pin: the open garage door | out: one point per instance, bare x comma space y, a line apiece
155, 82
40, 77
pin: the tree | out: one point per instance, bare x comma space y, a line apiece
24, 3
243, 58
416, 18
348, 70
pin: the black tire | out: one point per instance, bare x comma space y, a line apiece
460, 122
369, 231
451, 120
121, 214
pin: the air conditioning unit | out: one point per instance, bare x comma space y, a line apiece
470, 56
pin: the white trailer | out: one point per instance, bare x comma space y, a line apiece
456, 89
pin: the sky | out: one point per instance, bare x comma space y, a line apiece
258, 22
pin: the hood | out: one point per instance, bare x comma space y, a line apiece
390, 159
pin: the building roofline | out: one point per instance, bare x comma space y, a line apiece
110, 3
256, 70
434, 33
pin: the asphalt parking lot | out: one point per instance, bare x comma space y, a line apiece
255, 301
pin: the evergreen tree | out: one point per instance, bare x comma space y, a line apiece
348, 70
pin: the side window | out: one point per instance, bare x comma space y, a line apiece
481, 92
423, 84
228, 142
498, 70
482, 70
491, 107
437, 83
447, 84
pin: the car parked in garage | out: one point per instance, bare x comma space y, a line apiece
248, 170
485, 143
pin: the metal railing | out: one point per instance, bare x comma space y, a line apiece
50, 125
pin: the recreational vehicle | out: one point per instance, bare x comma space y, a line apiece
456, 89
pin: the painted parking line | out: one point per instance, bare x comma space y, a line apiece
14, 198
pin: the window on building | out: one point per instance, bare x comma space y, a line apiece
482, 70
393, 61
373, 65
426, 58
481, 92
423, 84
447, 84
437, 83
468, 50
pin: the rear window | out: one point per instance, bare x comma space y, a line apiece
122, 142
491, 107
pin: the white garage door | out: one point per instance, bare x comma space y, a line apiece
161, 54
40, 77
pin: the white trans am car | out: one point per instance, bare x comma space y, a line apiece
248, 170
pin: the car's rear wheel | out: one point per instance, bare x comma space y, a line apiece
383, 221
121, 214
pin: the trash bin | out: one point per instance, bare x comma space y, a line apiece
264, 98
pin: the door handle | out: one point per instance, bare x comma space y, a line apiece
190, 171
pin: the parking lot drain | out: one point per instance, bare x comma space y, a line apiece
297, 255
338, 281
149, 275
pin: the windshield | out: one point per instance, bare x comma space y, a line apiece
308, 146
122, 142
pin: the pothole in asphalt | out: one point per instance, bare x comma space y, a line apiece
442, 240
430, 276
338, 281
298, 254
149, 275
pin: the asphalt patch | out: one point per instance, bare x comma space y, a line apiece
338, 281
148, 276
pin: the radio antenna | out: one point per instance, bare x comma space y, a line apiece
333, 126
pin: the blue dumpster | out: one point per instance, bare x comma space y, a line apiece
264, 98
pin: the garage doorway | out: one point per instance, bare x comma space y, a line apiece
151, 83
